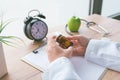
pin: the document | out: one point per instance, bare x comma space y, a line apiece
85, 69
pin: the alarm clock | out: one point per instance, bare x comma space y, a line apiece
35, 28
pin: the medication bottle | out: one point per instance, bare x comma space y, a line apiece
63, 42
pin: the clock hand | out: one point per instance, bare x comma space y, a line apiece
37, 31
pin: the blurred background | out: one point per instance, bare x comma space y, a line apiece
57, 12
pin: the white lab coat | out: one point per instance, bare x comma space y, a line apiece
103, 52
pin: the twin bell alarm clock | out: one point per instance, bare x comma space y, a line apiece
35, 28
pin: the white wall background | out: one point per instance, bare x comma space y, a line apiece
57, 12
110, 7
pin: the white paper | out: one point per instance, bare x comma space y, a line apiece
85, 69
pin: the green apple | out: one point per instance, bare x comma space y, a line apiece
74, 24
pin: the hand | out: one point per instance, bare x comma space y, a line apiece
54, 51
79, 45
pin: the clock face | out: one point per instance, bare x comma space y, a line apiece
39, 30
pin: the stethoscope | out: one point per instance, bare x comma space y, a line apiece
91, 25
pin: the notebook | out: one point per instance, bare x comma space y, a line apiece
85, 69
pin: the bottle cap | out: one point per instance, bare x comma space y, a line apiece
57, 33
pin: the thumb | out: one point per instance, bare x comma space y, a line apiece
69, 49
69, 52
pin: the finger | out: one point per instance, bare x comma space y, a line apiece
52, 39
52, 42
73, 37
76, 37
69, 37
69, 52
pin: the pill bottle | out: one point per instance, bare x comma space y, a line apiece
63, 41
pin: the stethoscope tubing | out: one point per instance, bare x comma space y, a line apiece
90, 26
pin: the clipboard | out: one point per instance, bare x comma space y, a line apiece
85, 69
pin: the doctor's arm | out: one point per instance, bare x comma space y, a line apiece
60, 67
103, 52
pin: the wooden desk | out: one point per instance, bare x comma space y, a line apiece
18, 70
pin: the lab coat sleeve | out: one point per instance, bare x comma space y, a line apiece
61, 69
104, 52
